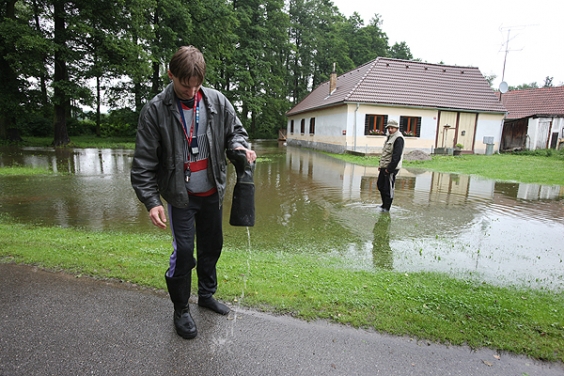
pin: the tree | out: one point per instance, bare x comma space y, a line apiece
301, 38
10, 96
61, 95
58, 56
331, 43
490, 78
22, 51
401, 51
532, 85
548, 81
257, 73
368, 42
106, 46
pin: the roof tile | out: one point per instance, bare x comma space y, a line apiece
546, 101
397, 82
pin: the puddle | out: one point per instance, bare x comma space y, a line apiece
506, 234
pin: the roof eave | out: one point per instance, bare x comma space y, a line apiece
431, 107
329, 105
318, 108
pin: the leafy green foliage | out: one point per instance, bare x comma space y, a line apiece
60, 56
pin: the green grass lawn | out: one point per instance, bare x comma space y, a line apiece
84, 142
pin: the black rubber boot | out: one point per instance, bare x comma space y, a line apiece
214, 305
179, 291
386, 204
243, 204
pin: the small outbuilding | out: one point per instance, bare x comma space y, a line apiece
437, 107
535, 119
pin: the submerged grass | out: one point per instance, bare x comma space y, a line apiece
90, 141
540, 166
424, 305
23, 171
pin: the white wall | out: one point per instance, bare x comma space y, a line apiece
349, 118
539, 130
489, 125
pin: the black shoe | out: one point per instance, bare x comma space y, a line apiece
214, 305
184, 324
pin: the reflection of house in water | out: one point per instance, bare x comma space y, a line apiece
424, 193
528, 191
413, 186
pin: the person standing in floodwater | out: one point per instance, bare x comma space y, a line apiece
182, 138
390, 164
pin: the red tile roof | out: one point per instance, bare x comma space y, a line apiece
544, 102
397, 82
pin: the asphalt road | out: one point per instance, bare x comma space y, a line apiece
58, 324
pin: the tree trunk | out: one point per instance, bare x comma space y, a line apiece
42, 79
155, 89
10, 82
98, 100
61, 99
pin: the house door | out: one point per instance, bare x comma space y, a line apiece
465, 130
543, 133
446, 129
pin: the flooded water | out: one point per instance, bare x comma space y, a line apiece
506, 234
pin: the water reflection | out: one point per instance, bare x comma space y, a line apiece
466, 226
382, 253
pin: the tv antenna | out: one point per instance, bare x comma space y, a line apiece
503, 87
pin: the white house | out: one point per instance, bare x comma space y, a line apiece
535, 119
437, 106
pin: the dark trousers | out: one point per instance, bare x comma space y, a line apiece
200, 221
386, 183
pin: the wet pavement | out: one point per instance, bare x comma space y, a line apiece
53, 323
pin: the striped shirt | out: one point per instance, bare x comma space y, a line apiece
199, 183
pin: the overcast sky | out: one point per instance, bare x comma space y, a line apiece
474, 33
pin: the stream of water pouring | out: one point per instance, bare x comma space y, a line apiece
244, 280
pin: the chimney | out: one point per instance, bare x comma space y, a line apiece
333, 81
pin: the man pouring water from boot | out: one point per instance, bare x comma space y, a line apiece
182, 138
390, 164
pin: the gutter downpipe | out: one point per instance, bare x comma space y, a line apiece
501, 134
355, 114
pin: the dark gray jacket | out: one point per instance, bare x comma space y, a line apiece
158, 162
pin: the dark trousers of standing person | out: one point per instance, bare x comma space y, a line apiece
200, 221
386, 183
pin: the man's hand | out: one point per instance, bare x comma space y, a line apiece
251, 155
158, 217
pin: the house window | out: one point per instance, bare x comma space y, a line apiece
302, 126
410, 126
312, 126
375, 124
291, 126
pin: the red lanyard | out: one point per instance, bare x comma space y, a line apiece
194, 126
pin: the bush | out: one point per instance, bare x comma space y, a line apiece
36, 125
120, 123
76, 127
541, 153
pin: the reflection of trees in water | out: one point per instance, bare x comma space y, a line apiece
381, 251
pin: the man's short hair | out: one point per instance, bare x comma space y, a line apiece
186, 63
